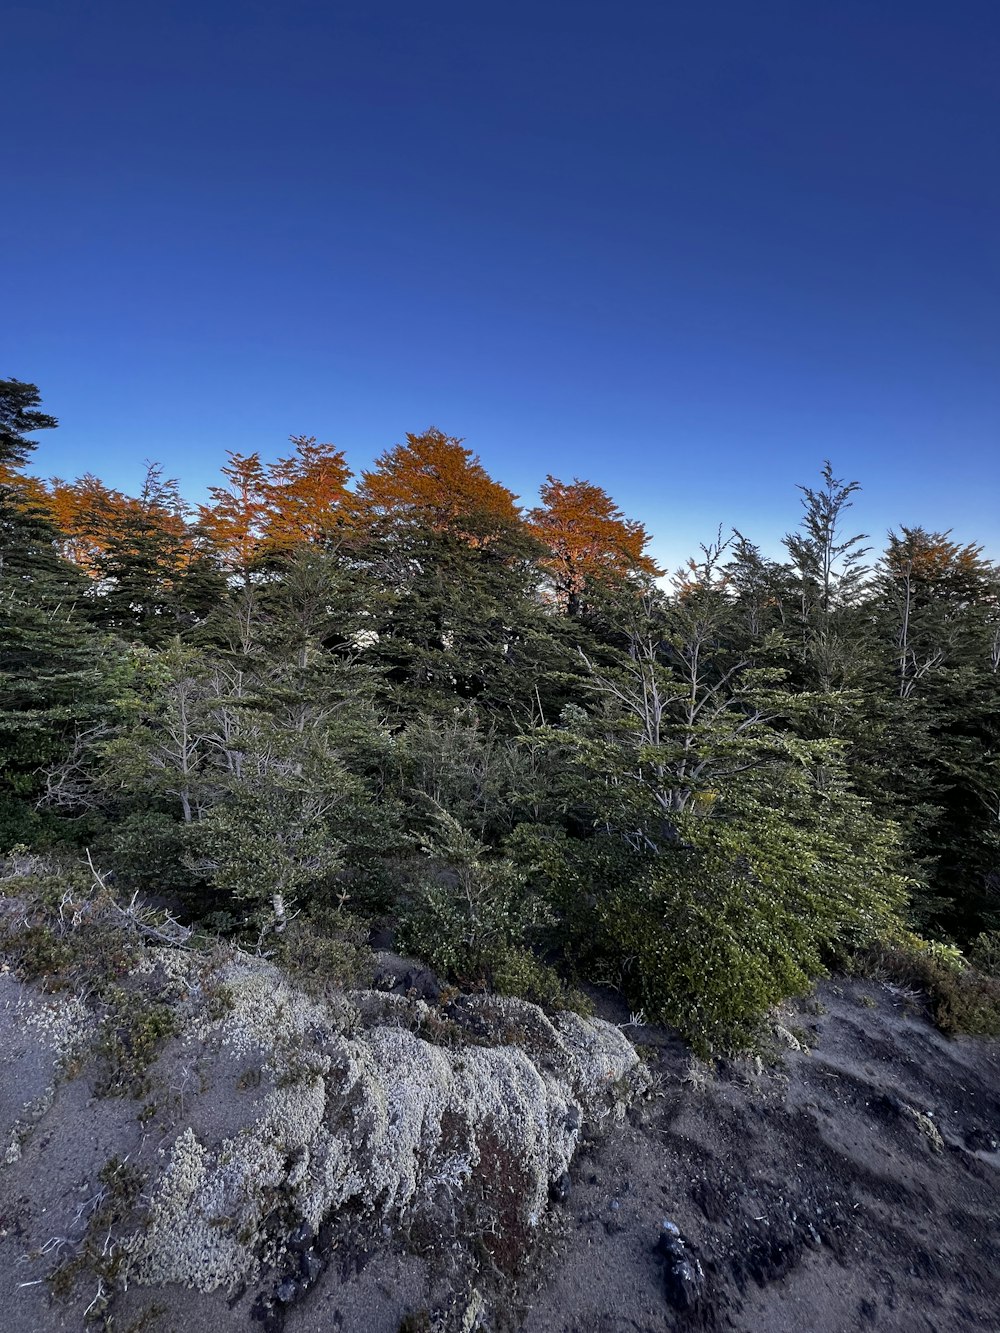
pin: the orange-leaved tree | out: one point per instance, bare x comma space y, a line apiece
939, 593
434, 481
306, 495
589, 541
235, 520
86, 512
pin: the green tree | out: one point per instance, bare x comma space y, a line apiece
454, 622
19, 418
143, 560
49, 683
715, 857
830, 571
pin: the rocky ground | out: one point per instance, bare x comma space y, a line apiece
400, 1160
849, 1181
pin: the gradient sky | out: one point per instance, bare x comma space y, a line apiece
684, 250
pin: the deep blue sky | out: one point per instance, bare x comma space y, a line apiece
684, 250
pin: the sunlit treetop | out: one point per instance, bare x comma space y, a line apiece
306, 495
434, 480
81, 510
234, 520
934, 561
588, 539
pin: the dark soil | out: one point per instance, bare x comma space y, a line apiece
799, 1194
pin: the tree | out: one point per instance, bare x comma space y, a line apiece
714, 856
935, 603
589, 541
433, 481
235, 520
85, 512
830, 573
200, 587
938, 597
269, 510
452, 565
688, 703
48, 655
763, 590
141, 560
453, 621
307, 496
19, 418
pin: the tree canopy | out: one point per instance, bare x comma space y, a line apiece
505, 733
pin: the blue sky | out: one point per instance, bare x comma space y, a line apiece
684, 250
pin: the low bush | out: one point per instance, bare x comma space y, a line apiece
521, 973
466, 906
132, 1034
963, 999
323, 951
709, 933
984, 953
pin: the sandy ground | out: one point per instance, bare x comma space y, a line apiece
847, 1181
809, 1193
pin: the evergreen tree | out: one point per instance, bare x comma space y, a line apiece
830, 570
457, 618
19, 418
725, 855
48, 659
142, 560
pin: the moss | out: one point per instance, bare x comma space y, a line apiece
131, 1037
362, 1112
368, 1104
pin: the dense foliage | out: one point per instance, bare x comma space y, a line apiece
405, 701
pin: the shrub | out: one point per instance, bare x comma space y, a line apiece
469, 909
519, 972
132, 1034
963, 999
965, 1003
704, 944
323, 951
735, 915
984, 953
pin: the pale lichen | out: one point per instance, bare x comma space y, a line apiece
303, 1105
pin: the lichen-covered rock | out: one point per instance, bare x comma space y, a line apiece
357, 1106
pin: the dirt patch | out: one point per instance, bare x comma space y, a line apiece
850, 1183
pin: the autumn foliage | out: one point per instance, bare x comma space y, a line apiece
263, 512
267, 510
306, 494
589, 540
434, 480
